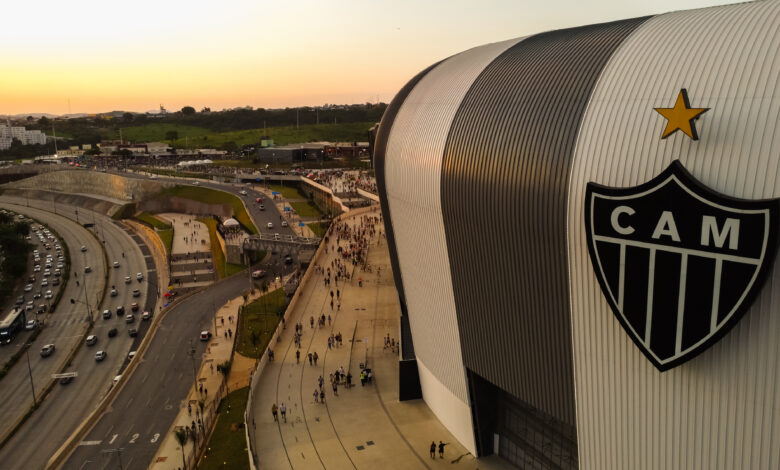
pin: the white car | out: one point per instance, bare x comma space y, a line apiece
44, 283
100, 355
83, 248
243, 192
116, 264
30, 325
91, 340
139, 276
127, 279
28, 288
285, 224
48, 295
270, 225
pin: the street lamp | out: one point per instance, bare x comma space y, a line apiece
86, 301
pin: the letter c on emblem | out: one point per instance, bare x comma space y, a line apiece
627, 230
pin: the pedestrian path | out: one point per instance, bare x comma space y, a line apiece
191, 264
363, 426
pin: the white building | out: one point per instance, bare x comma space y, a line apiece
8, 133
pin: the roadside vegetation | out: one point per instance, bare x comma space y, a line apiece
223, 269
306, 209
319, 228
213, 196
258, 321
227, 445
152, 221
288, 192
14, 253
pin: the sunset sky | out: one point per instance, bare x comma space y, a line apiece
105, 55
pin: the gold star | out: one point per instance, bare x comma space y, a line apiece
681, 117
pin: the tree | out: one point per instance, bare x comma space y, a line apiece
44, 121
205, 110
92, 151
171, 135
30, 119
181, 438
224, 369
188, 110
128, 117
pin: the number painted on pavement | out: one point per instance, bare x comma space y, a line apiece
113, 438
135, 437
155, 437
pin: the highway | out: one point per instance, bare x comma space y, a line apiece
67, 405
147, 405
63, 328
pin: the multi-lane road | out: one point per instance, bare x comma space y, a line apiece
67, 405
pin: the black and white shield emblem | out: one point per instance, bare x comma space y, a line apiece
678, 262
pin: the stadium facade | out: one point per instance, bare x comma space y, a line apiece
582, 225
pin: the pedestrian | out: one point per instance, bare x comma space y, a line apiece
433, 449
316, 356
320, 381
222, 319
283, 410
212, 368
338, 306
206, 391
309, 358
322, 396
189, 409
316, 396
338, 294
441, 449
335, 389
274, 408
225, 334
331, 305
328, 319
298, 356
230, 332
201, 388
349, 379
362, 378
311, 321
331, 295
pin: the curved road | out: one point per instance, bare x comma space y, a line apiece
145, 408
67, 406
63, 328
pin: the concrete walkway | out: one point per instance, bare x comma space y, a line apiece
364, 426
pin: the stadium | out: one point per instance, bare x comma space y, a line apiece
582, 225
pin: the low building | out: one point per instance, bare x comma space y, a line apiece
292, 153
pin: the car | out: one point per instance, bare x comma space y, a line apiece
270, 225
127, 279
60, 265
261, 207
116, 379
132, 332
196, 183
288, 259
29, 306
42, 308
66, 380
120, 310
87, 269
20, 300
37, 268
100, 355
285, 224
112, 332
243, 192
139, 276
134, 306
146, 316
91, 340
55, 282
31, 278
83, 248
131, 354
129, 318
259, 200
47, 265
44, 283
30, 325
258, 274
114, 293
48, 295
136, 293
46, 273
205, 335
116, 264
47, 350
37, 295
277, 236
28, 288
106, 314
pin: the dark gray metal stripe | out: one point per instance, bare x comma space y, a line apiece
504, 186
380, 149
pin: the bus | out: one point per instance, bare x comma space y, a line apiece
12, 323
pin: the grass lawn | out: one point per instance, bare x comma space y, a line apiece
212, 196
259, 317
306, 209
289, 192
125, 212
319, 228
216, 251
227, 445
151, 220
167, 238
156, 132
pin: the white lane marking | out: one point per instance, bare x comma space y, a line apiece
113, 438
90, 443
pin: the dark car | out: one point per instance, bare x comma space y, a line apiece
120, 310
106, 314
288, 259
132, 332
66, 380
112, 332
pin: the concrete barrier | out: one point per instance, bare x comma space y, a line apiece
93, 182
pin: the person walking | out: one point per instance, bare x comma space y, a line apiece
316, 396
297, 356
310, 359
283, 410
441, 449
322, 396
316, 356
274, 410
433, 449
329, 318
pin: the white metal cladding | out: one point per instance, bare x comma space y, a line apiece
413, 174
720, 410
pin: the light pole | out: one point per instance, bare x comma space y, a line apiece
86, 301
29, 369
191, 353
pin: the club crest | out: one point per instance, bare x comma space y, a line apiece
678, 262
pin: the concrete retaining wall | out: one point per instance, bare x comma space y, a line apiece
92, 182
185, 206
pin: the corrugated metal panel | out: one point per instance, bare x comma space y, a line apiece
380, 150
721, 410
504, 180
413, 176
